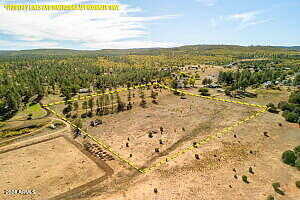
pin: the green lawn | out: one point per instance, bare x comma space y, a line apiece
35, 110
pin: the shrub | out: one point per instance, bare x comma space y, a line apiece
297, 149
279, 191
295, 97
204, 91
276, 187
292, 117
245, 179
287, 107
298, 184
289, 157
90, 114
272, 108
282, 104
271, 105
206, 81
251, 170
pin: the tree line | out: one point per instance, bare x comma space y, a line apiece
29, 80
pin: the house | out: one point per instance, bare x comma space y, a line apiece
267, 84
95, 123
183, 68
84, 90
192, 67
213, 85
231, 64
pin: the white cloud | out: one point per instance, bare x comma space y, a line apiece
23, 45
240, 20
208, 2
247, 19
89, 28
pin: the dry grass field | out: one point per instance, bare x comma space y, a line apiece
212, 176
184, 121
62, 170
50, 168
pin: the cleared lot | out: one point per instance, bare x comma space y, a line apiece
50, 168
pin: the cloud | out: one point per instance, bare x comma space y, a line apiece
86, 28
240, 20
24, 44
247, 19
208, 2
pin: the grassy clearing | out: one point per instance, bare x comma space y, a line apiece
16, 126
36, 110
266, 96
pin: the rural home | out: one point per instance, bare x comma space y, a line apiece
192, 67
84, 90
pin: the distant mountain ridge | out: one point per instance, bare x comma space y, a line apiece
140, 51
296, 48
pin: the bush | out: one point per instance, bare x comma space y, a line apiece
288, 107
204, 91
206, 81
90, 114
271, 105
276, 187
282, 104
291, 117
295, 97
245, 179
272, 108
298, 184
297, 149
289, 157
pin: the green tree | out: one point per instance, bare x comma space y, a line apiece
91, 104
85, 106
295, 97
289, 157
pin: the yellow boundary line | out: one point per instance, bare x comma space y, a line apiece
97, 94
105, 146
171, 156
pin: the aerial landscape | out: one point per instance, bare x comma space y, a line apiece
111, 119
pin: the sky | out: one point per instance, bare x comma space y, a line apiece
152, 23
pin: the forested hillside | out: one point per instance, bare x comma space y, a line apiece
28, 75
